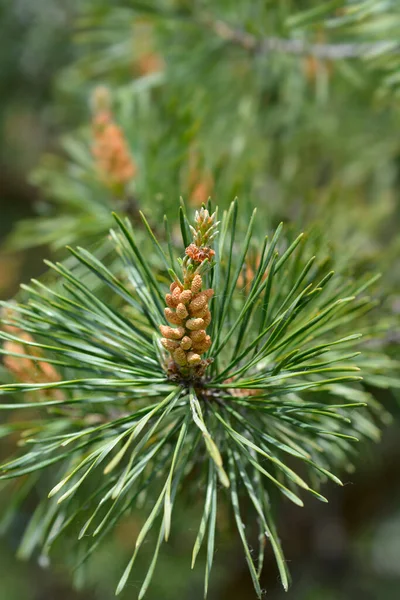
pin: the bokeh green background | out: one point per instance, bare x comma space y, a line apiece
348, 549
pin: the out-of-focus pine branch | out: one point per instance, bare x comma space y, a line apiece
338, 51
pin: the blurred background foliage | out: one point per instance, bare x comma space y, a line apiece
292, 106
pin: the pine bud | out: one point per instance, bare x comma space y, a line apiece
200, 313
169, 344
194, 324
180, 357
186, 343
202, 346
198, 303
196, 284
198, 336
207, 319
185, 296
175, 295
181, 311
170, 301
193, 359
172, 317
172, 333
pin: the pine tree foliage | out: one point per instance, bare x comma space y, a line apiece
261, 107
122, 419
264, 400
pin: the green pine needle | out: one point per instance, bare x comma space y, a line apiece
114, 424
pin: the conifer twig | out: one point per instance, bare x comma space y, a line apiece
296, 47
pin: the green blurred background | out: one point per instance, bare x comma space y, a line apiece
348, 549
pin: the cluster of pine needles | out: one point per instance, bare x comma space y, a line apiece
267, 402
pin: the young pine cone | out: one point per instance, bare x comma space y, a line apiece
188, 309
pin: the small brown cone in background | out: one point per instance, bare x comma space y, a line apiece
199, 180
202, 190
110, 150
26, 369
149, 63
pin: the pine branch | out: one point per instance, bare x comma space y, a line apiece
124, 413
327, 51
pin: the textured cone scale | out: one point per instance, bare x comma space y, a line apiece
172, 317
198, 336
196, 284
193, 359
202, 346
200, 313
180, 357
172, 333
207, 319
176, 294
194, 324
181, 311
170, 301
185, 296
198, 303
170, 345
186, 343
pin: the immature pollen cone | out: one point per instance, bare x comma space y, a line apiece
187, 308
110, 148
27, 367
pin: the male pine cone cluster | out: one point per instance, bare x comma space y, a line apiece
187, 309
